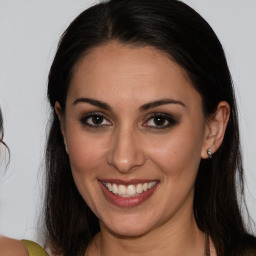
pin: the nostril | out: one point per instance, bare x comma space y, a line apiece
126, 162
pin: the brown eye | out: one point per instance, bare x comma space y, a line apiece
95, 120
160, 121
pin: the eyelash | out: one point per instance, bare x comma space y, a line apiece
167, 118
84, 120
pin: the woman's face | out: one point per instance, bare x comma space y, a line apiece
135, 131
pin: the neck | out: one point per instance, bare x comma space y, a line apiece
178, 236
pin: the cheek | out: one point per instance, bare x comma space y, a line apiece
85, 153
178, 152
86, 156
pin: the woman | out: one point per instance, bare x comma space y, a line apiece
143, 150
12, 247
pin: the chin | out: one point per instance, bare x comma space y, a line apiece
129, 227
131, 232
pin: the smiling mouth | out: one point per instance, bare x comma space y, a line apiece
130, 190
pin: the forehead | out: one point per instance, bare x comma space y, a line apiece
117, 70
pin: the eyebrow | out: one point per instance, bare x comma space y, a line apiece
144, 107
93, 102
157, 103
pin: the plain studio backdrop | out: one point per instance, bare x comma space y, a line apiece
29, 33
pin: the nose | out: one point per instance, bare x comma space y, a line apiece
126, 151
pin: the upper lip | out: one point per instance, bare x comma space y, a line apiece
127, 182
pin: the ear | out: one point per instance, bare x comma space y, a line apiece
60, 115
215, 129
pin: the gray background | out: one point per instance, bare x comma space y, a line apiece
29, 33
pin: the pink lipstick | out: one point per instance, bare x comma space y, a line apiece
128, 193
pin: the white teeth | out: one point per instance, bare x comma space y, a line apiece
109, 186
139, 188
145, 186
130, 190
151, 184
115, 189
121, 190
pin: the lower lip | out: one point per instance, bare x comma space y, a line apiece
127, 201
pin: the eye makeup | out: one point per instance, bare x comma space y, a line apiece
160, 121
95, 120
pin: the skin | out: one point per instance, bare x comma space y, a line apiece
129, 145
10, 247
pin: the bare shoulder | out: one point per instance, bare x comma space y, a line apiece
12, 247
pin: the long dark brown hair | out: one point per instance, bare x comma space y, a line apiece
174, 28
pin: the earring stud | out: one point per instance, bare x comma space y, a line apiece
209, 153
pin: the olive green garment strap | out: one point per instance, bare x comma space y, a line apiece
34, 249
